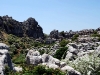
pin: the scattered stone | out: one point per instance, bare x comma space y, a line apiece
18, 69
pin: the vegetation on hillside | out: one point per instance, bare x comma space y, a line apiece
87, 65
35, 70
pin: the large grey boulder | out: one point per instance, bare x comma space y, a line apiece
70, 70
62, 64
35, 60
4, 46
69, 55
33, 57
49, 59
73, 49
4, 58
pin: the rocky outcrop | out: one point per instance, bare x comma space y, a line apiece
69, 34
33, 57
54, 34
28, 28
78, 50
4, 58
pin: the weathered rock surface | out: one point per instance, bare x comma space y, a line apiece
33, 57
70, 70
18, 69
4, 58
81, 49
29, 27
69, 34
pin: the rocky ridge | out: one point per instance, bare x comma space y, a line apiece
56, 34
28, 28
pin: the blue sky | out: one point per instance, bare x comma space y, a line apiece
63, 15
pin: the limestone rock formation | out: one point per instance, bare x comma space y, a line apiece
18, 69
69, 34
33, 57
4, 58
28, 28
81, 49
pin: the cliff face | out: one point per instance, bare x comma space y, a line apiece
28, 28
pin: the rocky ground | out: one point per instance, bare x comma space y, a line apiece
76, 53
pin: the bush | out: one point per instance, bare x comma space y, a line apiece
59, 53
36, 44
12, 39
42, 51
19, 59
95, 34
75, 37
64, 42
38, 70
89, 65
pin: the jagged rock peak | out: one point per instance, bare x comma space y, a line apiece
28, 28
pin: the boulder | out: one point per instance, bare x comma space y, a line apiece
4, 58
33, 53
54, 66
18, 69
62, 64
69, 56
71, 49
4, 46
70, 70
54, 34
49, 59
33, 57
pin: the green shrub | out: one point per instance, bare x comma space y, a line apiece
12, 39
42, 51
59, 53
36, 44
75, 37
19, 59
95, 34
89, 65
37, 70
64, 42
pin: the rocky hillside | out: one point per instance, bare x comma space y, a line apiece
28, 28
60, 53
